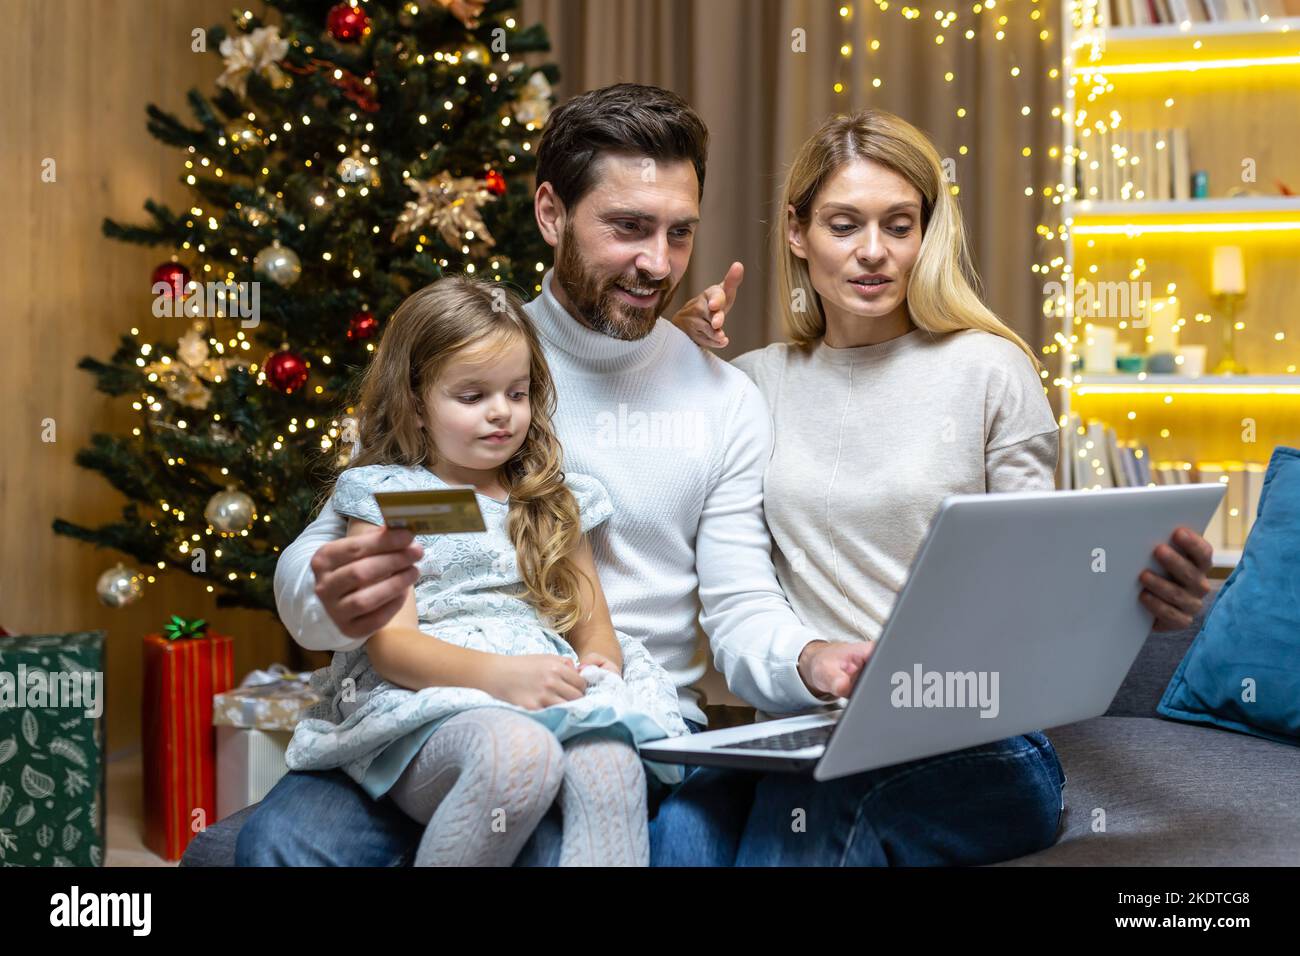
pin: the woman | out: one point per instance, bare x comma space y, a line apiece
898, 388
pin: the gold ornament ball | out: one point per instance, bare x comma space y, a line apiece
243, 134
230, 511
320, 197
255, 217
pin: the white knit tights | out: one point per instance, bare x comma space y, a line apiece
485, 778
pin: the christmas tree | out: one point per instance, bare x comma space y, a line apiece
351, 154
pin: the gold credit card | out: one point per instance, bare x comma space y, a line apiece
444, 511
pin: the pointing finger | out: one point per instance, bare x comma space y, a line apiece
731, 282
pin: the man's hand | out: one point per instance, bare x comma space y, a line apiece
363, 579
702, 317
1176, 600
833, 668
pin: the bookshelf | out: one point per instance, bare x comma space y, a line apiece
1199, 94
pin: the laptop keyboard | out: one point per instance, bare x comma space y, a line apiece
791, 740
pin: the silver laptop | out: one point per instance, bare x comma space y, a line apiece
1020, 612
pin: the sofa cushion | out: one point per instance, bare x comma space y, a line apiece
1243, 670
1173, 795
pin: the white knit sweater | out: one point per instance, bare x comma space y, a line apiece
680, 439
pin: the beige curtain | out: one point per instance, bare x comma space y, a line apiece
733, 60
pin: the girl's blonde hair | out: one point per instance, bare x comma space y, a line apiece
425, 332
942, 291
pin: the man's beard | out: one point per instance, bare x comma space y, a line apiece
598, 306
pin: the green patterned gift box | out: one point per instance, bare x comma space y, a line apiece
52, 773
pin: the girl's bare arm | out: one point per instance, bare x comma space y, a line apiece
594, 632
404, 655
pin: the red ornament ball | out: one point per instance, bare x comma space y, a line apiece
286, 371
362, 326
174, 275
347, 23
496, 183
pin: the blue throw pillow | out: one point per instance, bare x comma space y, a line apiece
1242, 671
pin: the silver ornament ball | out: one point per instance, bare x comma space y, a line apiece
119, 586
230, 512
278, 263
355, 171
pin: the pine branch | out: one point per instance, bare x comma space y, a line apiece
113, 379
166, 128
167, 227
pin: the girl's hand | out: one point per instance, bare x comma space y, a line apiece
703, 316
600, 660
535, 681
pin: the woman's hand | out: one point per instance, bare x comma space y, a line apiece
702, 317
833, 668
534, 681
599, 660
1175, 600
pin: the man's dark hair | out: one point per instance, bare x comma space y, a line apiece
627, 118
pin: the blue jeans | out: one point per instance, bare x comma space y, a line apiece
981, 805
323, 818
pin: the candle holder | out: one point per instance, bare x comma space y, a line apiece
1229, 303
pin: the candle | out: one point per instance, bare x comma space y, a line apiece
1099, 349
1192, 360
1162, 336
1229, 273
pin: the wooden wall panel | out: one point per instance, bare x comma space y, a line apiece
77, 77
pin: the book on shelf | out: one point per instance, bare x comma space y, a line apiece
1093, 457
1235, 517
1162, 151
1180, 164
1216, 530
1144, 165
1142, 13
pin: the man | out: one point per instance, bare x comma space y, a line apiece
679, 438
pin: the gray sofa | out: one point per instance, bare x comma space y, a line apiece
1172, 794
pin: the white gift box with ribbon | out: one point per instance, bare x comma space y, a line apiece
254, 723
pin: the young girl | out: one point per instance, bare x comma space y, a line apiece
501, 684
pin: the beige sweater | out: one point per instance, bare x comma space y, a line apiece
869, 441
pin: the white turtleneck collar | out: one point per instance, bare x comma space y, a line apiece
594, 350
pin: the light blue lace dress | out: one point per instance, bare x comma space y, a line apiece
470, 594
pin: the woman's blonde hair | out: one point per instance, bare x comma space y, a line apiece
941, 293
425, 332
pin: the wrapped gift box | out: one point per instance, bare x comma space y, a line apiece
179, 743
268, 700
249, 763
254, 723
52, 773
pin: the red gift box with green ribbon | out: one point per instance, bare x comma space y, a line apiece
183, 667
